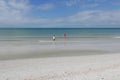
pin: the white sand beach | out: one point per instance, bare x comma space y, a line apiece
84, 60
87, 67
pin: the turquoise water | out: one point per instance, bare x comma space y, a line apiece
47, 33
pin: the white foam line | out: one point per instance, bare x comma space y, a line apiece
57, 41
117, 37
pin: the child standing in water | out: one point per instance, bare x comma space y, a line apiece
53, 37
65, 36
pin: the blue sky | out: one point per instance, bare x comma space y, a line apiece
60, 13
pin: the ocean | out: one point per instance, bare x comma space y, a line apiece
7, 34
19, 43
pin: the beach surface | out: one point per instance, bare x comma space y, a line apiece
86, 54
84, 67
85, 59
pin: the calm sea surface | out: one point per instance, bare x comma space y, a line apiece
47, 33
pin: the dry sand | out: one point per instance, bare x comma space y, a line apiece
87, 67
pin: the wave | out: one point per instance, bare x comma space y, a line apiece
116, 37
49, 38
61, 36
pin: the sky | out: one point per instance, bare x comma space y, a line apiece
59, 13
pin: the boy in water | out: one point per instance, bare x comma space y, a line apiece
53, 37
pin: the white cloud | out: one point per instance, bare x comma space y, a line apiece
46, 6
89, 5
90, 18
83, 3
13, 12
70, 3
97, 17
21, 4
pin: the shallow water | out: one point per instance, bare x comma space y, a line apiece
37, 43
36, 49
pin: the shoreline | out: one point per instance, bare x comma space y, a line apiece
14, 53
9, 51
